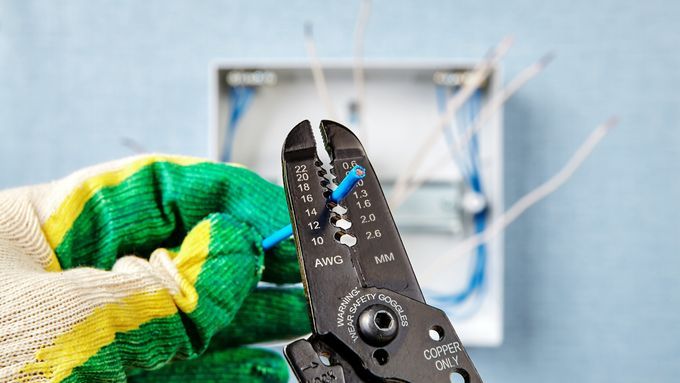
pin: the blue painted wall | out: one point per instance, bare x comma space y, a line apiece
592, 273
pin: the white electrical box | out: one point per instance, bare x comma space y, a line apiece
400, 108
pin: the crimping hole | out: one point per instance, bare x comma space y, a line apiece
436, 333
340, 221
345, 238
335, 208
381, 356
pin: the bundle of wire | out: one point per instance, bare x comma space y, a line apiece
468, 163
240, 98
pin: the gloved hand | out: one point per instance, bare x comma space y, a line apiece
136, 265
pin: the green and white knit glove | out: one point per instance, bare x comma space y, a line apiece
146, 269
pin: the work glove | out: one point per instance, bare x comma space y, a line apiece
133, 269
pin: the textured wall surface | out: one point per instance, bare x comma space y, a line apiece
592, 272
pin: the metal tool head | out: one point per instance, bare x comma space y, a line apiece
370, 320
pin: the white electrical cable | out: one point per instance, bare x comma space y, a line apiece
489, 110
317, 72
358, 68
529, 199
471, 84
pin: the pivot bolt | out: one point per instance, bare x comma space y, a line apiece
378, 325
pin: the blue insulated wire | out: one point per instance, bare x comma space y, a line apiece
280, 235
241, 96
478, 273
442, 98
356, 174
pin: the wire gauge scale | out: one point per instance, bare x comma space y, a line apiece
369, 317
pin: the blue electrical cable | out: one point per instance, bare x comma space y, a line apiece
476, 282
473, 110
240, 96
356, 174
442, 98
276, 237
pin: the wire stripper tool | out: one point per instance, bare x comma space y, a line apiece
369, 317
